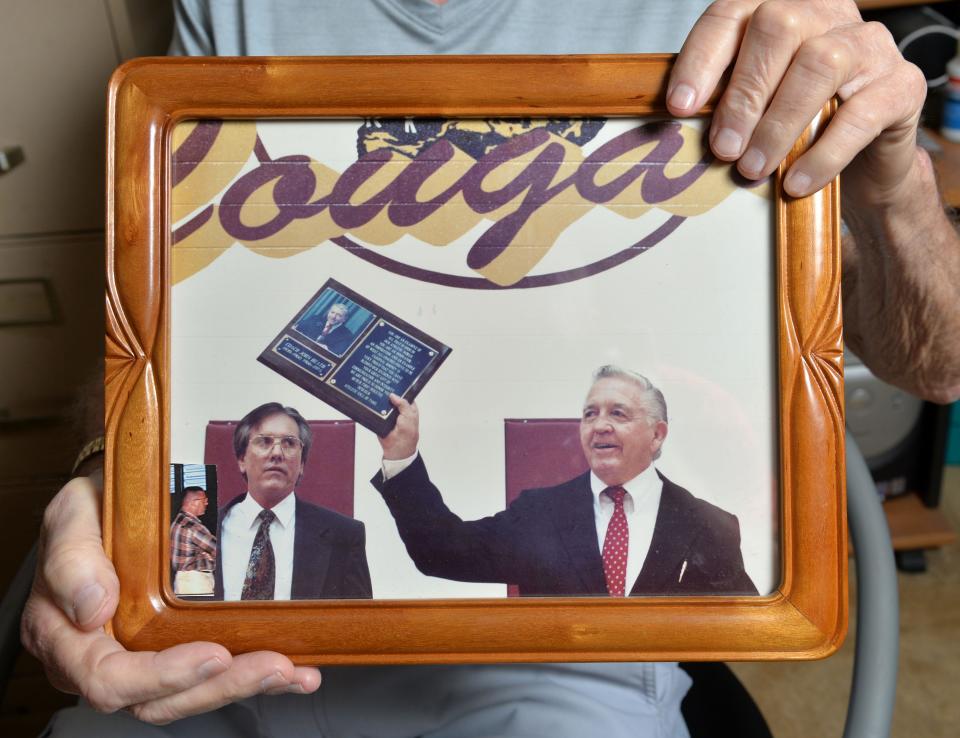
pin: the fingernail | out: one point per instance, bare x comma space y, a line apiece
296, 688
274, 681
682, 97
210, 668
753, 161
88, 603
727, 142
798, 183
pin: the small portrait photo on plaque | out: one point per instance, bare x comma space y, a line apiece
193, 527
333, 322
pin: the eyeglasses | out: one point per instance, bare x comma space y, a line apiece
289, 445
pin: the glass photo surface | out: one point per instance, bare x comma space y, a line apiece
601, 294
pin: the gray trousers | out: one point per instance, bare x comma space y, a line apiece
634, 700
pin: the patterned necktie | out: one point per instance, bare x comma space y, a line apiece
261, 570
616, 544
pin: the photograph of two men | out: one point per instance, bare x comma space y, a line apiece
604, 420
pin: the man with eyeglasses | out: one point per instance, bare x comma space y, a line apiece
274, 545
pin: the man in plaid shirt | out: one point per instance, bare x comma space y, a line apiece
193, 546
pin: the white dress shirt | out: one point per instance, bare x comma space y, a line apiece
640, 504
392, 467
238, 530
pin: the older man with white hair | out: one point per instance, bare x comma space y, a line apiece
621, 528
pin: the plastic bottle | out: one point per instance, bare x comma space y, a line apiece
951, 102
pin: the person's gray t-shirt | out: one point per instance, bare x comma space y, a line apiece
356, 27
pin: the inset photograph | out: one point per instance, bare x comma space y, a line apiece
333, 321
193, 527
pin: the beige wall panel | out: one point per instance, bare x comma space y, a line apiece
56, 59
42, 365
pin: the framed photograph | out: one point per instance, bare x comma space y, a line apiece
464, 359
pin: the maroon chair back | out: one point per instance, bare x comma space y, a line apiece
541, 453
327, 478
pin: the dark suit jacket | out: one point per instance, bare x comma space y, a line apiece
338, 340
329, 555
546, 541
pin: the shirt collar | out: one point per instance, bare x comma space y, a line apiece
188, 516
249, 508
638, 488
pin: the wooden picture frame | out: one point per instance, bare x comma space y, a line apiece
804, 617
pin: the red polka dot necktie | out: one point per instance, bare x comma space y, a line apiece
616, 544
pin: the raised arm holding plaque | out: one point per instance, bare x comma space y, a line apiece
351, 353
